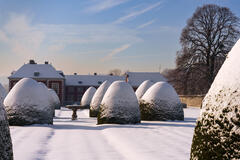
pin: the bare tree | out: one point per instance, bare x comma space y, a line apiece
207, 38
116, 72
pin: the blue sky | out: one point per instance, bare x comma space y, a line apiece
87, 36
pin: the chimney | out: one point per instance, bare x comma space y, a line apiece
46, 62
31, 61
75, 73
126, 78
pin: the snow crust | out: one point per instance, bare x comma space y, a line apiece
97, 98
119, 104
143, 88
87, 96
3, 93
162, 101
28, 103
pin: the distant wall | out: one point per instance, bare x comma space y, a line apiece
192, 100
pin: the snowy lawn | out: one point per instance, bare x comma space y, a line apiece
83, 139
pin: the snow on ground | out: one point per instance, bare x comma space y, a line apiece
84, 140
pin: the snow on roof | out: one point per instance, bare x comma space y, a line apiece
136, 78
36, 71
90, 80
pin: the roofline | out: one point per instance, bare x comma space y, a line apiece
82, 85
33, 78
144, 72
95, 75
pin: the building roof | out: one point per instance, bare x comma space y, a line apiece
136, 78
90, 80
36, 71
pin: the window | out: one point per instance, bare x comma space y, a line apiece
80, 90
70, 89
13, 84
55, 87
70, 98
36, 74
79, 98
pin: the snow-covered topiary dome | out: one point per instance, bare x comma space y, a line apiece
119, 105
6, 151
28, 103
161, 102
87, 97
143, 88
50, 98
217, 133
54, 99
97, 98
3, 93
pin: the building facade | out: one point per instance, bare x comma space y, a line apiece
76, 85
70, 88
44, 73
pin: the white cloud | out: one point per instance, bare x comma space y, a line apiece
20, 36
3, 37
27, 40
102, 5
55, 48
89, 34
116, 51
134, 14
146, 24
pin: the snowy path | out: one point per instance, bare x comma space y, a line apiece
84, 140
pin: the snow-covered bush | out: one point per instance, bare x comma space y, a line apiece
28, 103
87, 97
97, 98
119, 105
217, 133
54, 99
50, 98
3, 93
5, 138
143, 88
161, 102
